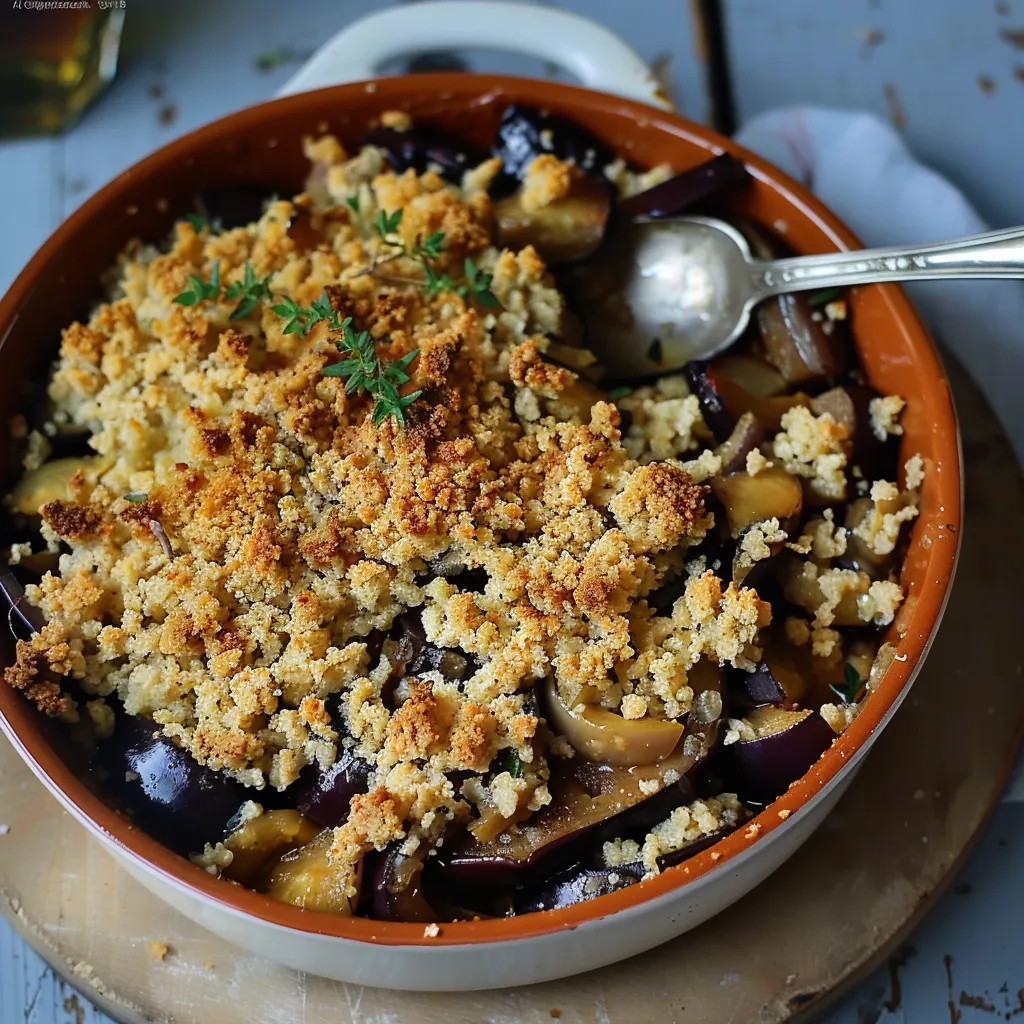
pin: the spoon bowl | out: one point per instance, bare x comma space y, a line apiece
667, 291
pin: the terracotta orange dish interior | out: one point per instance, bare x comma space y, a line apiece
263, 145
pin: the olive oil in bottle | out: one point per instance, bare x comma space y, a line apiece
54, 62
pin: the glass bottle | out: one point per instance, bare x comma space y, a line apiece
53, 63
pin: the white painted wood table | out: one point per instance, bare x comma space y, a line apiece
952, 70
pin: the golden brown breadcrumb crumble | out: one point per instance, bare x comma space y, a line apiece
250, 535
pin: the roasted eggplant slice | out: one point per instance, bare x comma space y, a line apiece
525, 134
751, 373
719, 419
775, 681
770, 494
257, 844
50, 482
787, 744
308, 878
397, 891
737, 400
602, 735
747, 435
593, 802
573, 885
590, 803
420, 147
565, 230
687, 189
324, 795
165, 790
797, 338
801, 344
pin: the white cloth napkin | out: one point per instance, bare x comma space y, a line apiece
861, 168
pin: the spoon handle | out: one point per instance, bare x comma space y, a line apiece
991, 254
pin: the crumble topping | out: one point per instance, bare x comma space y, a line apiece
821, 538
815, 448
884, 413
277, 531
630, 182
739, 729
687, 825
666, 420
755, 543
248, 548
547, 179
839, 716
620, 852
890, 509
756, 461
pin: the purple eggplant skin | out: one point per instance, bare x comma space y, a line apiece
687, 189
324, 796
573, 885
396, 892
525, 134
416, 655
422, 146
670, 860
763, 769
760, 687
471, 868
24, 619
716, 416
167, 792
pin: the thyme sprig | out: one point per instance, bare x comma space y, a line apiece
199, 290
362, 371
250, 291
478, 282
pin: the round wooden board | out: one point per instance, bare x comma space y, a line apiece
815, 927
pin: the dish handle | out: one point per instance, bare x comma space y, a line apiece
594, 54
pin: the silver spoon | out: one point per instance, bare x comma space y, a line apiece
691, 283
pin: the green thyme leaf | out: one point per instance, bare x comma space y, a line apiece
352, 202
479, 283
849, 689
136, 496
432, 246
510, 762
387, 224
487, 298
620, 392
251, 290
244, 308
825, 296
197, 220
